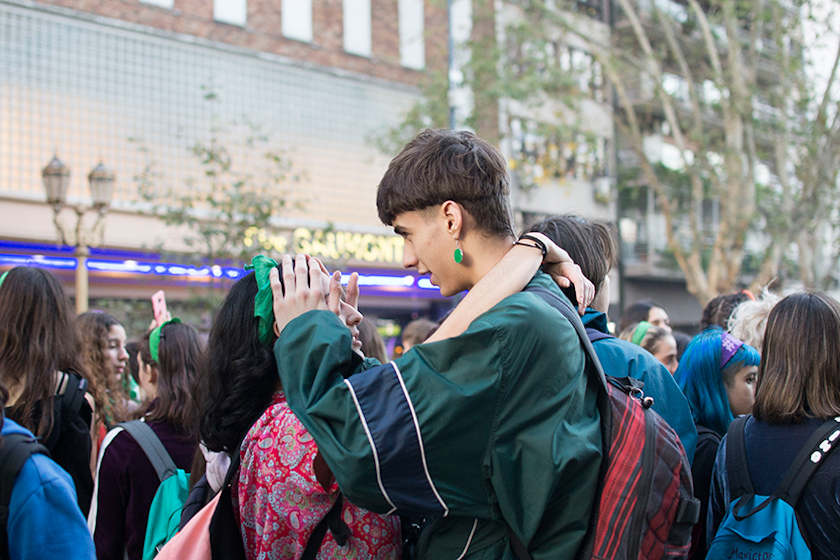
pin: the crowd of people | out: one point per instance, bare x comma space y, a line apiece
482, 439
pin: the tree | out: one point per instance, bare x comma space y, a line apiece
723, 81
243, 183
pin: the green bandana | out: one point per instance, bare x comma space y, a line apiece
640, 332
3, 277
264, 301
154, 339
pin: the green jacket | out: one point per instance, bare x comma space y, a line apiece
496, 425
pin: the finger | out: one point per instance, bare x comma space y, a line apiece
301, 275
320, 265
316, 290
335, 293
353, 290
288, 276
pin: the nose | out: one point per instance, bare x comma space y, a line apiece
409, 260
354, 317
123, 356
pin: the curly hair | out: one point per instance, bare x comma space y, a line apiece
108, 394
749, 320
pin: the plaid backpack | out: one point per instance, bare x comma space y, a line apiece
644, 504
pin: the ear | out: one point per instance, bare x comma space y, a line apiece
151, 374
454, 216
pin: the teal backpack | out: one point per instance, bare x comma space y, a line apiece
165, 513
767, 527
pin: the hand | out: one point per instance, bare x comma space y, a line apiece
560, 266
352, 298
154, 324
304, 291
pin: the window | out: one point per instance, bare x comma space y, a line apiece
234, 12
296, 17
412, 42
357, 26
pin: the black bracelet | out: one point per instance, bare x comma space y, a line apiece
538, 243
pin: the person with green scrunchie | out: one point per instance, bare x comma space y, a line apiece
656, 340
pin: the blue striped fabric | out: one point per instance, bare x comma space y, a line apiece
386, 410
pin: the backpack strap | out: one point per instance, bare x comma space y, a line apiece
737, 467
14, 452
74, 395
150, 444
566, 310
809, 459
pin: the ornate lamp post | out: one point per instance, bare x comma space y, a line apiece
56, 177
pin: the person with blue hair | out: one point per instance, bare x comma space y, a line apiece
717, 374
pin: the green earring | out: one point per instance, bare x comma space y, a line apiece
459, 254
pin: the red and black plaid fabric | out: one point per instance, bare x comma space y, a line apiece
645, 479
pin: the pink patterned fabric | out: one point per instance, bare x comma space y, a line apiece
281, 501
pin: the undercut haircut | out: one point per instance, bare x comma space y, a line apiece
441, 165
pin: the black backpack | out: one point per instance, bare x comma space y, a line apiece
15, 450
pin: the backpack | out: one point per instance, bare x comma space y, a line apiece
165, 511
644, 505
69, 441
214, 531
767, 526
15, 450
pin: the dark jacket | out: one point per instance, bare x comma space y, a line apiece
126, 483
771, 449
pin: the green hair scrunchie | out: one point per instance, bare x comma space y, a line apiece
264, 300
640, 332
154, 339
3, 277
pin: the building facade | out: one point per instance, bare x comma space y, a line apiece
146, 88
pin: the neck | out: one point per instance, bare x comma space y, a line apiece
487, 253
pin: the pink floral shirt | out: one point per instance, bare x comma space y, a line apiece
281, 501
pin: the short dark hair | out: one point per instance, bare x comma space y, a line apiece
718, 311
797, 378
441, 165
637, 312
590, 244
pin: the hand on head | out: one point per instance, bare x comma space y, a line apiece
306, 290
560, 266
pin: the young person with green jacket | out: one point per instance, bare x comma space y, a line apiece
492, 430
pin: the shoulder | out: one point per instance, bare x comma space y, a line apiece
527, 313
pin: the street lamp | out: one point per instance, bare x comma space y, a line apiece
56, 177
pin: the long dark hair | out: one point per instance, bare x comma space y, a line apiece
239, 375
180, 354
38, 337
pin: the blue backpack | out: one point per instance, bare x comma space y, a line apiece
767, 527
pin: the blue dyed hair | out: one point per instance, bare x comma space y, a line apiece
703, 382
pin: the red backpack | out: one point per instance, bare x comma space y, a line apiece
644, 504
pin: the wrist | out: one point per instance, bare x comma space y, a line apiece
534, 242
